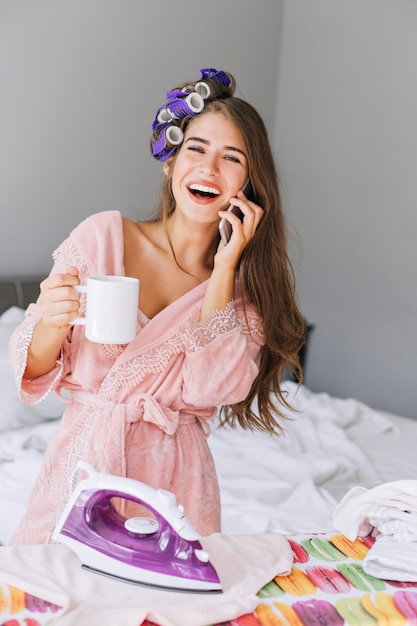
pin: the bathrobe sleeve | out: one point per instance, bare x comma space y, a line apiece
95, 245
222, 356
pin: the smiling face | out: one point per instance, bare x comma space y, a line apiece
210, 167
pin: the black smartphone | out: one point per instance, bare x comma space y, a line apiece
225, 227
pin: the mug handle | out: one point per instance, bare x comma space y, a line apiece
80, 321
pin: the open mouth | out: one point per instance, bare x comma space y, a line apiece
202, 191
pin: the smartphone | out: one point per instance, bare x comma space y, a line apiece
225, 227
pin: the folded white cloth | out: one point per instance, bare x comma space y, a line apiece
400, 525
53, 572
391, 560
389, 512
349, 516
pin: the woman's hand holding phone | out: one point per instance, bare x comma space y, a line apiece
221, 284
225, 227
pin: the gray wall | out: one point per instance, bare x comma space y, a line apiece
335, 81
80, 81
346, 135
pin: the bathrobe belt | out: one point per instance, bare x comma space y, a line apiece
146, 407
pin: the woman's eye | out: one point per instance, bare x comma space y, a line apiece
232, 157
196, 148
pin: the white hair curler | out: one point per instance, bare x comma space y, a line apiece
174, 135
195, 102
203, 89
165, 116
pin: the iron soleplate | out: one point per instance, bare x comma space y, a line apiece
141, 583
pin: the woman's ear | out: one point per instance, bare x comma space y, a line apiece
167, 166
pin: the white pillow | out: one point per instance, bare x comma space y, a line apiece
13, 414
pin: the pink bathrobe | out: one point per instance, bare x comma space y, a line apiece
141, 409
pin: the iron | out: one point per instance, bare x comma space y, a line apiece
164, 551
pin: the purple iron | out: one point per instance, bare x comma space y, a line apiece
161, 552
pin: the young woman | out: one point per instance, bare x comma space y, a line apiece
217, 324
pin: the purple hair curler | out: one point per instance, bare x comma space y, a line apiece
169, 137
221, 76
181, 103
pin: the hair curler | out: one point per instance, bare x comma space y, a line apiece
203, 89
173, 136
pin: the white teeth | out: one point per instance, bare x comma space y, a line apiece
204, 189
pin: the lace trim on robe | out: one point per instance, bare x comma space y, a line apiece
192, 338
76, 452
219, 322
70, 254
111, 350
22, 347
216, 322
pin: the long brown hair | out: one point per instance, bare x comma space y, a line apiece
265, 272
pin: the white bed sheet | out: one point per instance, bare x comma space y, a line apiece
287, 483
292, 483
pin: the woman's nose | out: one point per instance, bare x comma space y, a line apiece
210, 165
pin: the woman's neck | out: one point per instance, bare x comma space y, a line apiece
192, 250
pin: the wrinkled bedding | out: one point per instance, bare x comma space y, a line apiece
286, 483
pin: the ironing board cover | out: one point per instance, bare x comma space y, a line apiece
326, 587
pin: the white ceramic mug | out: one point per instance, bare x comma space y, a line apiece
111, 308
